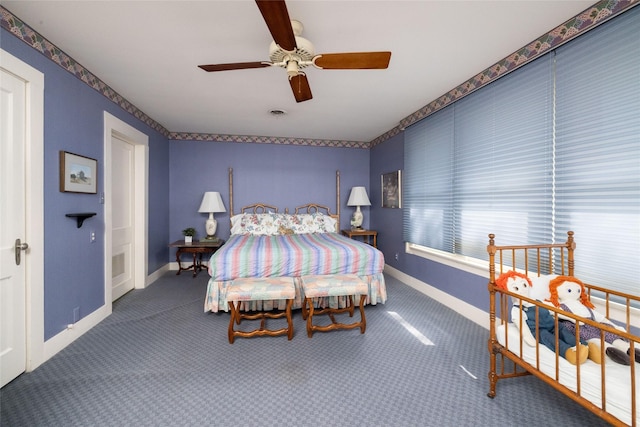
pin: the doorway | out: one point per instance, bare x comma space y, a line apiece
126, 154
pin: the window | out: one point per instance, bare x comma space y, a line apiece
551, 147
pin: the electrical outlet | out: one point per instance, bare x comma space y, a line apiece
92, 236
101, 201
396, 256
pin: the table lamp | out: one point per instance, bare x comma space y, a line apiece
358, 197
211, 203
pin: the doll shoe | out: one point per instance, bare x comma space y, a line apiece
618, 356
637, 354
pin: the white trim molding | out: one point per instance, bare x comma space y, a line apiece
463, 308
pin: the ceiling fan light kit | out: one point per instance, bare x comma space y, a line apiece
289, 50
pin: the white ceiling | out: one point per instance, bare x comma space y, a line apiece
148, 51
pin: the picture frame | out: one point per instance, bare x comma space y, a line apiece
391, 184
78, 174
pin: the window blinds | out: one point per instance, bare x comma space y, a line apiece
553, 146
428, 182
481, 166
598, 151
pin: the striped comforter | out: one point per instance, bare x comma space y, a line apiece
293, 255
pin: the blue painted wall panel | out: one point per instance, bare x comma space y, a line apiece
285, 176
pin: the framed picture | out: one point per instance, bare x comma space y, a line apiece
78, 174
392, 190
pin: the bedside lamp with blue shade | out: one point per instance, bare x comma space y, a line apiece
211, 203
358, 197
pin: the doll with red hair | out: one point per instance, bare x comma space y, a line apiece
541, 319
568, 293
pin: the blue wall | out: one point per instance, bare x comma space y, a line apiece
73, 121
285, 176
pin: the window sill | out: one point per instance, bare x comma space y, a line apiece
464, 263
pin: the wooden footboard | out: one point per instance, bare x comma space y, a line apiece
608, 389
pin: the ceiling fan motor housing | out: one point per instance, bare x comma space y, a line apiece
302, 55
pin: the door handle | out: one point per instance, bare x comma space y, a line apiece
18, 248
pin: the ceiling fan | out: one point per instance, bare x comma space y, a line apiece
291, 51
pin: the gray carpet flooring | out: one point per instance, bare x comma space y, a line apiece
160, 360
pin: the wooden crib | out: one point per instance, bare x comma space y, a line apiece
609, 390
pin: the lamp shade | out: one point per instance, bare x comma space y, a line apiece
211, 202
358, 197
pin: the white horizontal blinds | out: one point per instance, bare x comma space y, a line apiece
503, 153
598, 151
427, 181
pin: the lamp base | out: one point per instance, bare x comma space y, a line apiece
357, 218
211, 225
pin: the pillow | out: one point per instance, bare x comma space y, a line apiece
264, 224
330, 224
312, 223
236, 224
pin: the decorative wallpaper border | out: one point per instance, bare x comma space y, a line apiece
587, 20
590, 18
187, 136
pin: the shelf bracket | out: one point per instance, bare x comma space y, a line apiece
80, 217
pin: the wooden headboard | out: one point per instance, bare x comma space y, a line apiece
308, 208
258, 208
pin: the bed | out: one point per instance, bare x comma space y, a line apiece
610, 390
265, 242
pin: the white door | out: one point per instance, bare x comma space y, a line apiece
13, 341
122, 204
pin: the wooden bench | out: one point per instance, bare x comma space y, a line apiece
330, 286
260, 289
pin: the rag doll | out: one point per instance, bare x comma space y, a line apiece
568, 293
518, 283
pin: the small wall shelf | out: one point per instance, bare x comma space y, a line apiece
80, 217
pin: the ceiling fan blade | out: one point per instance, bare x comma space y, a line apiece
301, 89
276, 16
353, 61
234, 66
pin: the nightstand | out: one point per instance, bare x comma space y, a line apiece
197, 248
364, 234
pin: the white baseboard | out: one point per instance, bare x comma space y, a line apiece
58, 342
159, 272
465, 309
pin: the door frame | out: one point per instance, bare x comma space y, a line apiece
116, 127
34, 204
